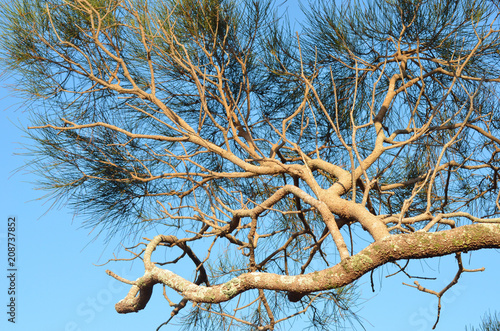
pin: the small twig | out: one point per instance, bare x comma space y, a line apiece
403, 270
121, 279
439, 295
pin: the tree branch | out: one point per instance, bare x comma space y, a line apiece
403, 246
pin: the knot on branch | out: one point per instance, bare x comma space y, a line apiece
295, 296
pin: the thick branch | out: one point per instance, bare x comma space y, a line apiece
403, 246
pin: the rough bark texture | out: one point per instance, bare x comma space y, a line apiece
395, 247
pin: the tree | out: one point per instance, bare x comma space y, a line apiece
210, 120
490, 322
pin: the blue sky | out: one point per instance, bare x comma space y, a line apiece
60, 288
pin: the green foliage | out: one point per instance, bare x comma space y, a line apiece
158, 113
490, 322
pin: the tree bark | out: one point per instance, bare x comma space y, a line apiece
417, 245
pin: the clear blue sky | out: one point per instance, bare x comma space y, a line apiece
60, 288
